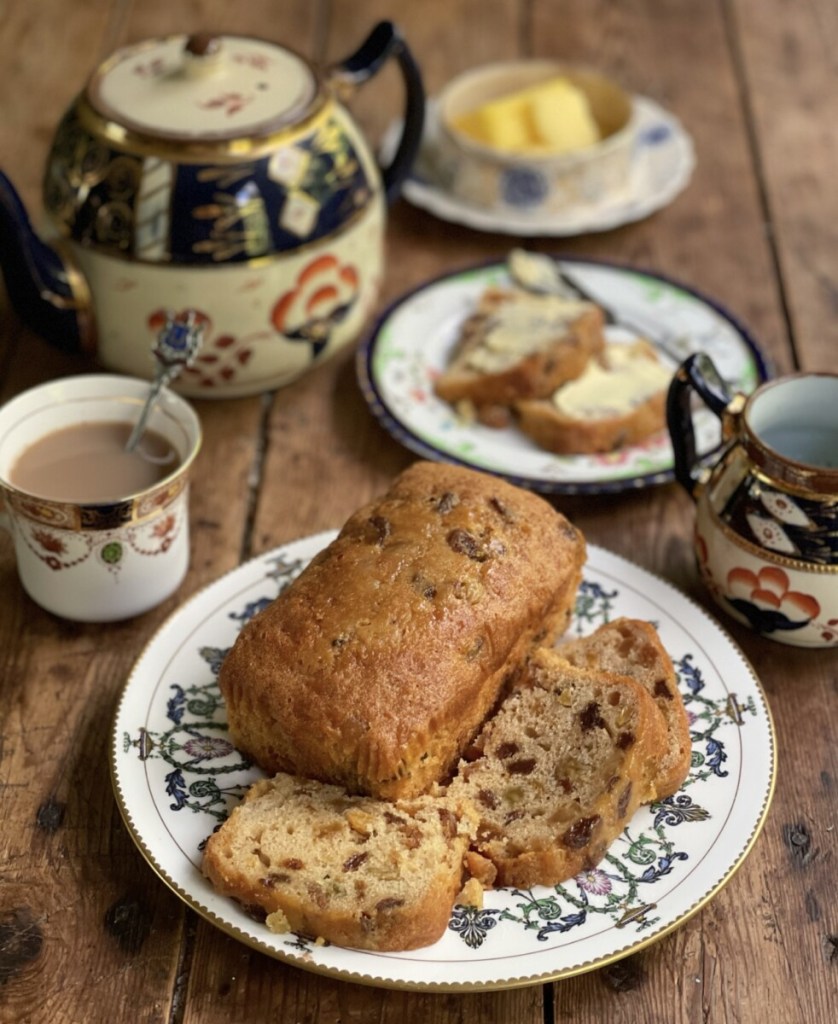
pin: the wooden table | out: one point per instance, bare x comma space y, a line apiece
87, 932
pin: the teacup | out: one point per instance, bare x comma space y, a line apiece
120, 549
766, 531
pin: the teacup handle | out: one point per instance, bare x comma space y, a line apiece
697, 373
382, 43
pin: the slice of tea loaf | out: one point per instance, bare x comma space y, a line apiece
352, 870
518, 344
633, 648
619, 400
558, 771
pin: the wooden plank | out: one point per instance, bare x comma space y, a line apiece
789, 72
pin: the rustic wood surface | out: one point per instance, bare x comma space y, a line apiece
87, 932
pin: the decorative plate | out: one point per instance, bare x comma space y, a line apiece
662, 165
409, 347
176, 776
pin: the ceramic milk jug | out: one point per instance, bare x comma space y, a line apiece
766, 530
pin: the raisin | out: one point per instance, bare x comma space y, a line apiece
340, 641
513, 816
393, 819
318, 895
589, 717
487, 798
662, 690
411, 838
382, 528
274, 879
446, 502
501, 510
464, 543
565, 784
625, 740
423, 585
293, 863
523, 766
355, 861
622, 806
579, 834
388, 903
448, 821
507, 750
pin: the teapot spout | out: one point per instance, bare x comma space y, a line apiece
48, 294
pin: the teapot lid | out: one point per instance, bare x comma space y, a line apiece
204, 88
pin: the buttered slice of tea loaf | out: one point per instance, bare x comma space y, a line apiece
351, 870
633, 648
375, 668
518, 344
558, 771
619, 399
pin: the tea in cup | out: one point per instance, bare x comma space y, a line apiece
100, 533
766, 531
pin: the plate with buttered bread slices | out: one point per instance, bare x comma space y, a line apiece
419, 754
550, 372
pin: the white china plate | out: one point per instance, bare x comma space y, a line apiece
409, 347
662, 165
176, 776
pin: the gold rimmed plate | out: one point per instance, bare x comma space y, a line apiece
176, 775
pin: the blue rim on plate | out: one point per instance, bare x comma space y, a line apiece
409, 344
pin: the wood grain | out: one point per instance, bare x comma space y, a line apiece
87, 932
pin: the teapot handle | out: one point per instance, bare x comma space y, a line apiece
697, 373
384, 42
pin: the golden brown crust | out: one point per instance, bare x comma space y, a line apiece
375, 668
633, 648
537, 374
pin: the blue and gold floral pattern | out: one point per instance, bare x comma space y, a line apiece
174, 759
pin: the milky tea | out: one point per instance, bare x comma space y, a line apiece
87, 463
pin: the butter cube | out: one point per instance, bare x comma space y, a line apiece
561, 117
551, 117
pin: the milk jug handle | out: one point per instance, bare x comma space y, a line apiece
384, 42
696, 374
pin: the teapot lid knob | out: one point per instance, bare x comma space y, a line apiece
202, 53
202, 44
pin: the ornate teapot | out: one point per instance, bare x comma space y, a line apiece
219, 177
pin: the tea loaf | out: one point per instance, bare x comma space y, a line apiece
619, 400
517, 345
557, 773
352, 870
633, 648
378, 664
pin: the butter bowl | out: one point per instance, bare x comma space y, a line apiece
524, 177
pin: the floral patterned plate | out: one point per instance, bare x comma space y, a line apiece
176, 776
661, 168
408, 348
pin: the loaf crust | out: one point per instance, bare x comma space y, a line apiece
537, 372
556, 431
351, 870
558, 772
633, 648
376, 667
